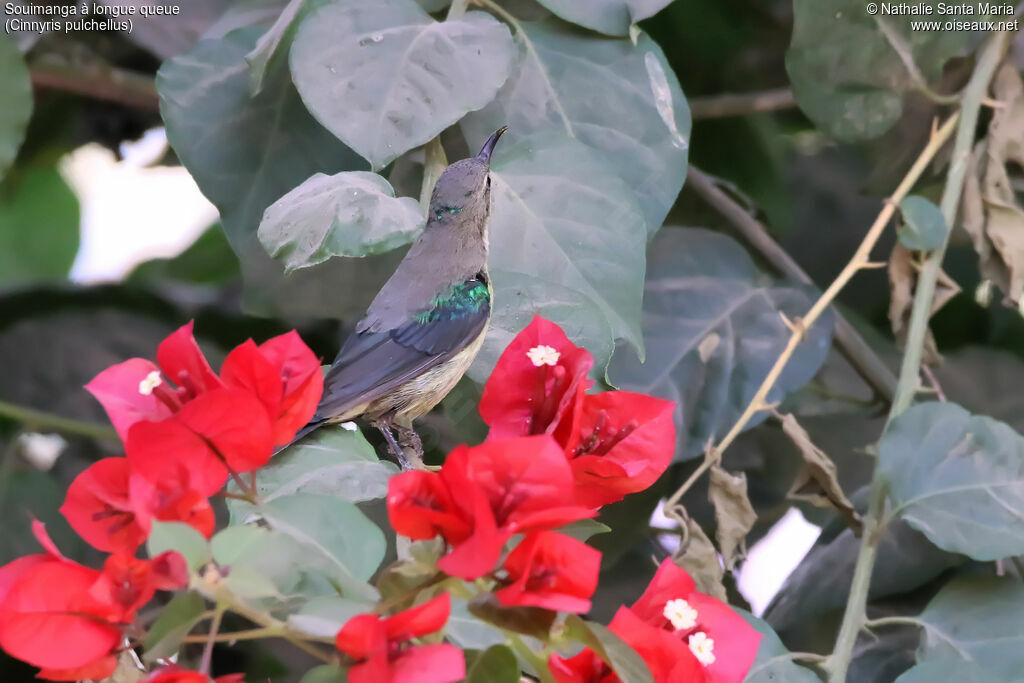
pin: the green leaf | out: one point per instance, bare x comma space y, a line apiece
176, 619
773, 663
583, 529
924, 227
324, 674
713, 330
846, 66
977, 619
16, 94
277, 36
530, 621
620, 657
352, 213
181, 537
948, 671
324, 616
957, 478
38, 226
566, 242
331, 461
385, 77
497, 664
256, 551
819, 584
246, 152
335, 535
645, 136
613, 17
469, 632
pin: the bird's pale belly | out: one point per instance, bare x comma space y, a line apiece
418, 396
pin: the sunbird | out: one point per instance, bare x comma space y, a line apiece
427, 323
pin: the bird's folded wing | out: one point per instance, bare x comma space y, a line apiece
372, 364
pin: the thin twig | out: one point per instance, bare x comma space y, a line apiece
990, 56
860, 260
849, 342
97, 81
741, 104
38, 420
211, 638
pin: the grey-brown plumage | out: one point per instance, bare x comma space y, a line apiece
426, 325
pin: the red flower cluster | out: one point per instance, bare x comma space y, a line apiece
382, 654
484, 495
181, 444
617, 442
66, 618
206, 427
683, 636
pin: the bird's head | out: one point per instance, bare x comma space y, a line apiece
462, 195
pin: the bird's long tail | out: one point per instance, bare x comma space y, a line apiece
301, 434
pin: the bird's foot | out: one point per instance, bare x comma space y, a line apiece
396, 449
409, 440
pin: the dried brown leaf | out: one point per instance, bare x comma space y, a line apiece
903, 273
734, 515
701, 561
989, 211
817, 482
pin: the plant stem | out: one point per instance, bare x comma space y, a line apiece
434, 162
799, 327
227, 600
38, 420
989, 57
741, 104
96, 80
457, 9
853, 347
527, 653
248, 634
211, 638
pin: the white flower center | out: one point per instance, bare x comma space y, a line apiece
149, 383
543, 355
680, 613
703, 648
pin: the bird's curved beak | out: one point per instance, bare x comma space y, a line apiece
488, 148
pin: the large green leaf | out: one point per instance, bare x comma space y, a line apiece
352, 213
613, 17
713, 331
16, 94
179, 537
245, 153
957, 478
642, 126
846, 66
325, 615
177, 618
950, 671
38, 225
335, 537
331, 461
977, 619
567, 242
773, 662
497, 664
385, 77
